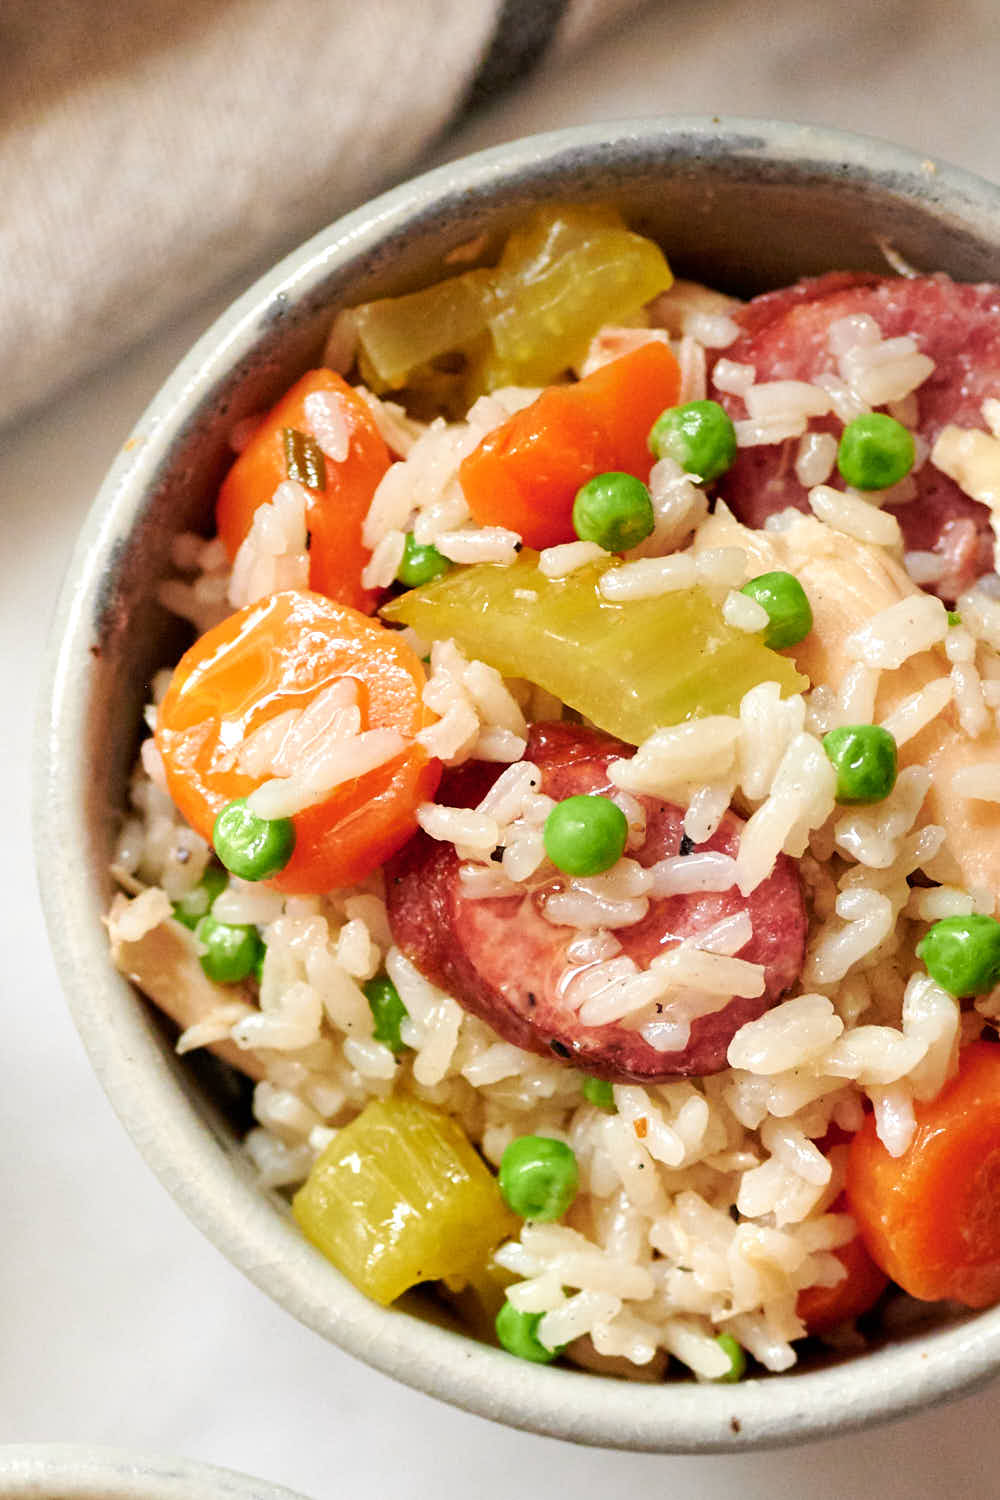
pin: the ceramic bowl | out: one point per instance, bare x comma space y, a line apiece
741, 204
67, 1471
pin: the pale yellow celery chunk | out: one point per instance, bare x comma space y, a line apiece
400, 1196
400, 334
630, 668
563, 273
558, 282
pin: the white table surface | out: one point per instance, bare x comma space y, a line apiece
119, 1323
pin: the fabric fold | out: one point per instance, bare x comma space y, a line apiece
151, 149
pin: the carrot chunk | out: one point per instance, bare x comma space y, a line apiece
525, 474
279, 655
337, 506
931, 1217
823, 1308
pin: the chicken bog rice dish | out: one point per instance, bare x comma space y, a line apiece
577, 810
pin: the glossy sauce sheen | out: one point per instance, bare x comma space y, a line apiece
958, 326
505, 963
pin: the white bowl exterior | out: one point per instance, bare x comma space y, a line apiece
68, 1471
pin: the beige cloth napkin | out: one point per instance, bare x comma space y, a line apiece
150, 149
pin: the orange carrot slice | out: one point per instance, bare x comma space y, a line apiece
336, 510
276, 655
931, 1217
526, 473
823, 1308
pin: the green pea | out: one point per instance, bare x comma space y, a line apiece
585, 835
699, 436
196, 902
538, 1177
954, 618
518, 1333
788, 609
875, 452
598, 1091
614, 510
420, 563
962, 954
388, 1011
737, 1359
231, 950
864, 758
251, 847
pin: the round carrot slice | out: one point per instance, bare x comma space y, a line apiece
276, 657
931, 1217
337, 507
823, 1308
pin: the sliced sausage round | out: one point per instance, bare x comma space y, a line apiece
506, 963
958, 326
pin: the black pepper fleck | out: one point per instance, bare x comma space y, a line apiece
497, 854
686, 845
532, 998
559, 1048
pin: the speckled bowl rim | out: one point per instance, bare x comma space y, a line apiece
165, 1121
73, 1471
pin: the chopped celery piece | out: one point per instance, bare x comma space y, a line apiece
440, 388
562, 275
559, 280
400, 1196
630, 668
400, 334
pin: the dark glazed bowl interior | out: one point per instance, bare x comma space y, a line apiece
743, 205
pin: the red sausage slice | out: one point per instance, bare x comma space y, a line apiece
958, 326
504, 962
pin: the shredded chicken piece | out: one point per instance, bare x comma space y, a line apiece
164, 964
847, 582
